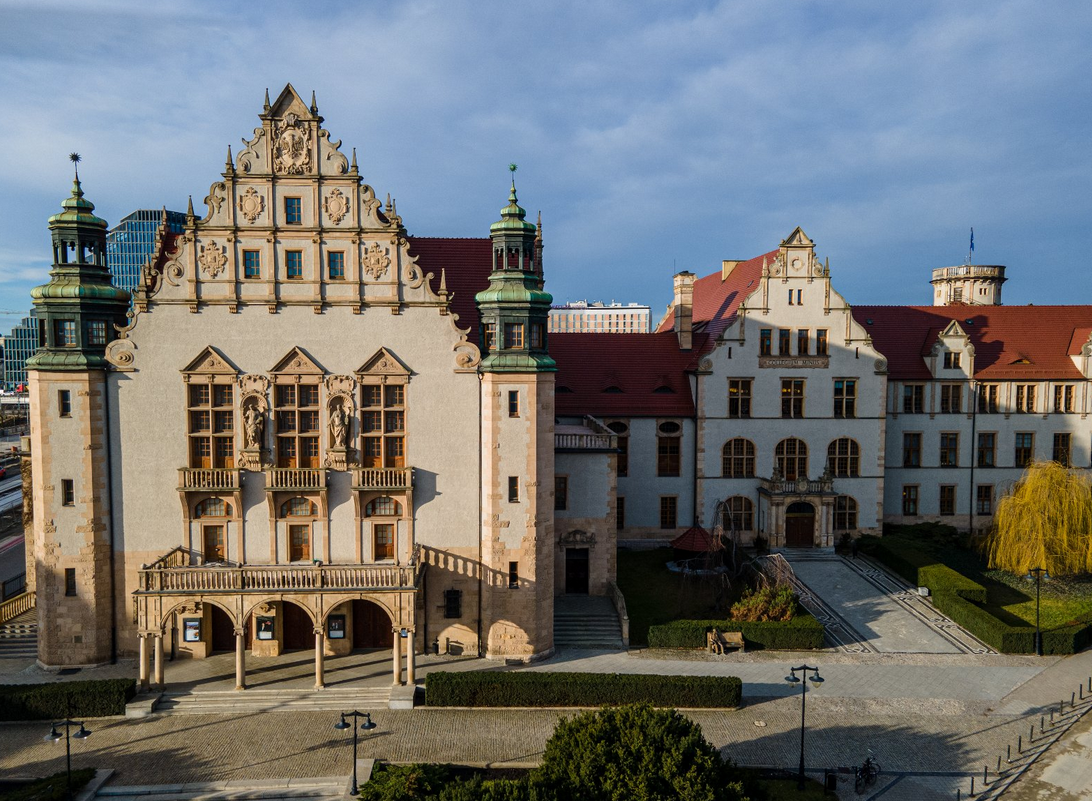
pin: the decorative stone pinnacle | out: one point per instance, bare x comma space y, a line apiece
266, 100
354, 167
314, 105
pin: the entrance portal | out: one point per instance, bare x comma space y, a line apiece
800, 525
576, 571
299, 631
371, 626
223, 632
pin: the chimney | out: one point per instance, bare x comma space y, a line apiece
684, 308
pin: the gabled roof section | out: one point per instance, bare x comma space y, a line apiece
1010, 342
210, 362
797, 239
717, 300
297, 362
289, 101
466, 263
641, 366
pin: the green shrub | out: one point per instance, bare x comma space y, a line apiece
525, 688
78, 699
766, 603
51, 788
803, 632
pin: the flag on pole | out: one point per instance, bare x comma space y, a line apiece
972, 240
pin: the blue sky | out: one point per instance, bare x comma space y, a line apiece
653, 136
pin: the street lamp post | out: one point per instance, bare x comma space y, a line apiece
55, 736
367, 725
792, 678
1037, 574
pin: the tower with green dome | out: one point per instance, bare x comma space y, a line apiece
517, 402
71, 541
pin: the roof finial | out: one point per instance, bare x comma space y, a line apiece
388, 208
189, 207
394, 207
228, 163
266, 108
75, 159
354, 167
443, 280
314, 105
538, 225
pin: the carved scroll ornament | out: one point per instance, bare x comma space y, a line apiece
251, 204
337, 206
212, 258
376, 261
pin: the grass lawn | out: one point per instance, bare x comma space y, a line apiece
656, 595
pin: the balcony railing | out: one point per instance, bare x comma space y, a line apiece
585, 442
969, 271
208, 479
295, 478
382, 478
277, 578
801, 486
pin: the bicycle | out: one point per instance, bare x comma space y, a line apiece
866, 774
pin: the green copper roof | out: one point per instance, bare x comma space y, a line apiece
67, 285
501, 361
512, 217
77, 209
514, 288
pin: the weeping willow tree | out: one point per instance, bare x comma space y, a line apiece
1045, 521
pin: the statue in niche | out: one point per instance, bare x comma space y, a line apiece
254, 423
339, 426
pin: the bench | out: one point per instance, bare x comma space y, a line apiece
719, 641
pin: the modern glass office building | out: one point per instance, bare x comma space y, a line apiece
19, 346
131, 242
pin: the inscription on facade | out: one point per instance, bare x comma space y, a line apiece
794, 362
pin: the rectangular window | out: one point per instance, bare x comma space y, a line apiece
949, 449
297, 425
623, 456
96, 332
513, 403
1024, 450
987, 449
293, 263
536, 336
335, 265
64, 403
803, 340
490, 336
983, 500
669, 508
384, 540
739, 397
987, 399
252, 264
1025, 399
513, 489
913, 398
299, 543
513, 335
947, 499
911, 450
765, 342
64, 333
784, 342
792, 397
293, 211
561, 493
513, 575
845, 397
1061, 450
383, 426
68, 492
1063, 398
668, 456
951, 398
70, 581
821, 342
951, 361
910, 500
453, 604
620, 513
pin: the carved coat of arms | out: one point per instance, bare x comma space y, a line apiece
212, 259
376, 261
337, 206
251, 204
292, 148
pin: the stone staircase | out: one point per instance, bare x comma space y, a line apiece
19, 637
261, 699
585, 621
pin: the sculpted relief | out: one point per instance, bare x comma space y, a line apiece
292, 147
212, 258
337, 206
251, 204
376, 261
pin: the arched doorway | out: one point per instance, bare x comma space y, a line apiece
800, 525
372, 626
223, 630
299, 631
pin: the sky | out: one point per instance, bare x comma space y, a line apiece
654, 137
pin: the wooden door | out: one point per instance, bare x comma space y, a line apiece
223, 632
299, 543
215, 547
800, 525
576, 571
384, 540
371, 626
299, 632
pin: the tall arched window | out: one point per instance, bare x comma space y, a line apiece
791, 458
212, 507
845, 513
384, 506
738, 514
738, 458
844, 458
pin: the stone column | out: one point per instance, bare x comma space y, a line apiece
159, 660
320, 653
143, 667
410, 661
397, 651
240, 659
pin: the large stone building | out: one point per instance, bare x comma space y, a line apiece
313, 431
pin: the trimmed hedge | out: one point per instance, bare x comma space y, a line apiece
525, 688
803, 632
78, 699
923, 570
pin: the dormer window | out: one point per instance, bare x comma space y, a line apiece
951, 361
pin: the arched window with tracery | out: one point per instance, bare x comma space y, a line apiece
384, 506
738, 514
791, 458
844, 458
845, 513
738, 458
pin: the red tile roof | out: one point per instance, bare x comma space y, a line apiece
695, 539
716, 301
1010, 342
467, 264
624, 375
